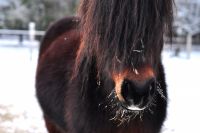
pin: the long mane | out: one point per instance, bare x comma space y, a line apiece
113, 29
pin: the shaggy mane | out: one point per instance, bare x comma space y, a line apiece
114, 29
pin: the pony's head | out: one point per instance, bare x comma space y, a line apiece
124, 39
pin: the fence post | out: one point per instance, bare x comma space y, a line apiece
31, 37
189, 45
32, 31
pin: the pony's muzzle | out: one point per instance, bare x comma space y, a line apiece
135, 89
137, 95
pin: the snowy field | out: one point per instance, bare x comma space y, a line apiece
183, 79
19, 110
20, 113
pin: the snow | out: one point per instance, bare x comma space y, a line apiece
182, 76
15, 42
20, 113
17, 92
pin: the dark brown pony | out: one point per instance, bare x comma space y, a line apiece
101, 72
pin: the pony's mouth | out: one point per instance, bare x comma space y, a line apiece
123, 112
134, 108
139, 107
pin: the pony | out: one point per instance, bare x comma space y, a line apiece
102, 72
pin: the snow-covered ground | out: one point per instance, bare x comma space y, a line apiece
19, 110
20, 113
183, 79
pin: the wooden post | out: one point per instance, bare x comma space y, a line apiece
189, 45
31, 37
32, 31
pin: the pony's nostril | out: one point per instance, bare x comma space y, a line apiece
137, 93
130, 93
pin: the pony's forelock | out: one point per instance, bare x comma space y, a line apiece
115, 30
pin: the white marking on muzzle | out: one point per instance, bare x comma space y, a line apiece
135, 108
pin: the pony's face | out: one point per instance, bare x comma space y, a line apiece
135, 89
125, 38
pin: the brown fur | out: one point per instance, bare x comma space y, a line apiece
80, 61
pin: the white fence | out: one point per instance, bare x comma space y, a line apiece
25, 37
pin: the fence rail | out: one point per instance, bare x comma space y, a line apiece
31, 33
20, 32
29, 42
25, 37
